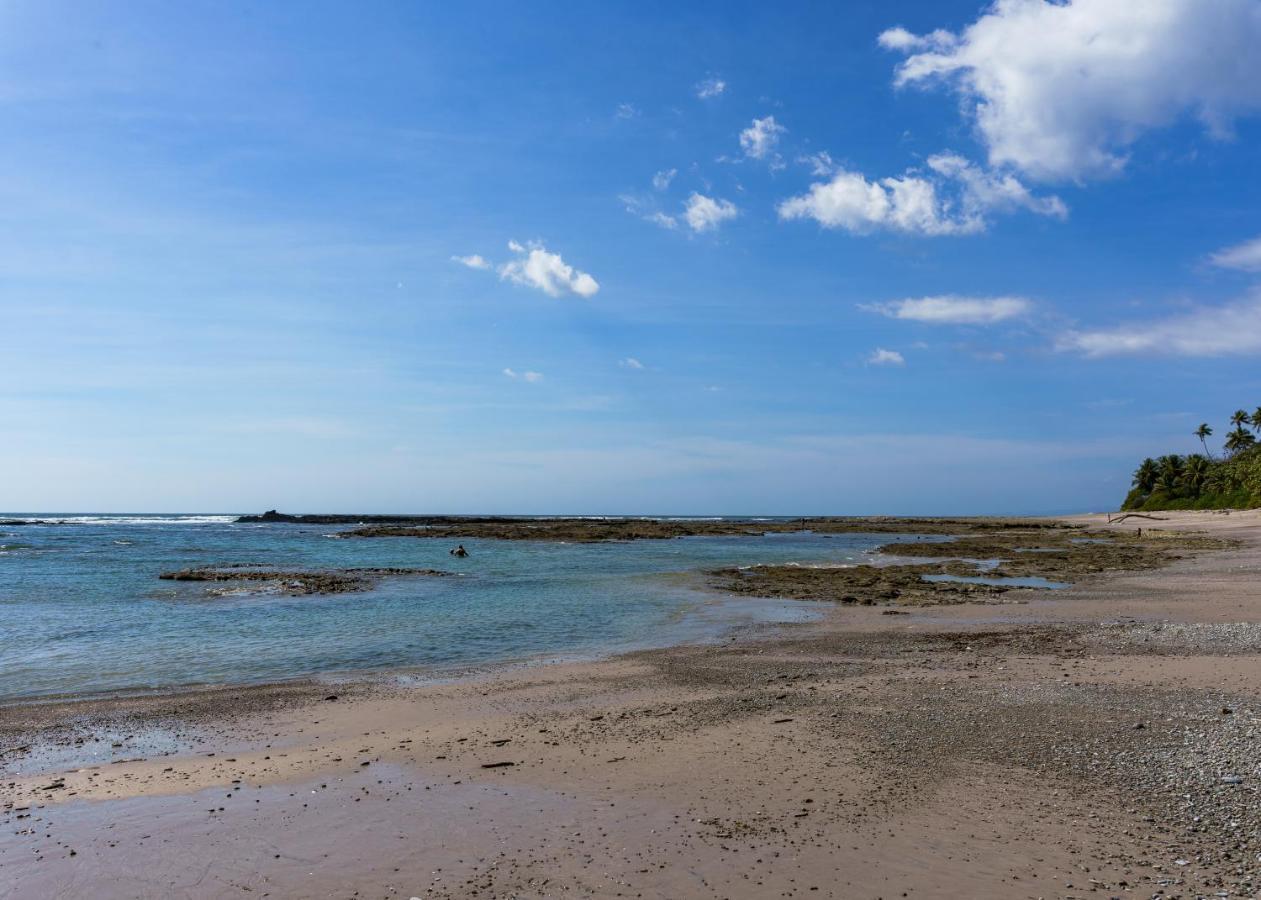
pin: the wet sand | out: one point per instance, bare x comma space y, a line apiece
1095, 741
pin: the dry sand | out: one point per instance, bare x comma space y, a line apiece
1098, 741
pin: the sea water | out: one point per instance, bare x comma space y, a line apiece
82, 611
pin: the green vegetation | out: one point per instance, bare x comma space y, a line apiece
1201, 481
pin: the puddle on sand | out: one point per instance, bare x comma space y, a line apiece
99, 747
1030, 582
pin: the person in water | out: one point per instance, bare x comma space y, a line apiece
459, 551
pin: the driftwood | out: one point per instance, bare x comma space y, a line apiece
1133, 515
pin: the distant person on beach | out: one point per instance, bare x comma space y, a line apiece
459, 551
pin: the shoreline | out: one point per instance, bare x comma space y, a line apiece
688, 629
801, 749
919, 562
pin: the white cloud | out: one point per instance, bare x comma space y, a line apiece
531, 377
1229, 330
710, 88
707, 213
760, 139
1062, 90
1245, 256
821, 163
953, 197
883, 357
950, 309
983, 191
536, 267
662, 179
851, 202
473, 261
645, 208
626, 111
901, 39
630, 363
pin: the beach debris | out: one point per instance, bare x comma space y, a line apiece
497, 765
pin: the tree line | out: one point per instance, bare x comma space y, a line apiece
1231, 479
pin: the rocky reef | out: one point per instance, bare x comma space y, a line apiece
296, 583
1015, 552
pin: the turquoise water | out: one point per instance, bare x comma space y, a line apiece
82, 610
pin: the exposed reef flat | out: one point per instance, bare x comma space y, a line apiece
299, 582
587, 530
1014, 552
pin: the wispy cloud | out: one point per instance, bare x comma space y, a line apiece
710, 88
882, 357
951, 309
630, 362
1245, 256
536, 267
1229, 330
662, 179
531, 377
473, 261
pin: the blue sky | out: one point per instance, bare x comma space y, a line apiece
740, 258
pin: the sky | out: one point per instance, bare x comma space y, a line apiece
733, 258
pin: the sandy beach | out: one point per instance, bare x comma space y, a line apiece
1094, 741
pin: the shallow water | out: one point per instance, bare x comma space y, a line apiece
82, 610
1014, 581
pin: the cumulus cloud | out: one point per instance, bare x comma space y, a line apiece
662, 179
951, 309
707, 213
1062, 90
710, 88
953, 196
1245, 256
536, 267
473, 261
760, 139
883, 357
630, 363
531, 377
1229, 330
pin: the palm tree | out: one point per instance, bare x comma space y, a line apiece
1167, 482
1204, 432
1195, 472
1256, 419
1239, 418
1170, 464
1239, 439
1145, 475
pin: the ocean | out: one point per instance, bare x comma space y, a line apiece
83, 613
